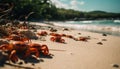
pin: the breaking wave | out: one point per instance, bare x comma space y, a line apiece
101, 26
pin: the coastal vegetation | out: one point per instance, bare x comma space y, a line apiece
46, 10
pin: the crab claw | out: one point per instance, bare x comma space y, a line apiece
45, 49
13, 57
52, 39
62, 41
42, 33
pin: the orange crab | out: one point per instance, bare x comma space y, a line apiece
42, 33
25, 49
83, 38
41, 48
57, 39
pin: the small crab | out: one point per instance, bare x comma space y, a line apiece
83, 38
57, 39
42, 33
41, 48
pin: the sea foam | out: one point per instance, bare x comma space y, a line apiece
95, 26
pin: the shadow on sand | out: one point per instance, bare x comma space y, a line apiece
19, 66
31, 60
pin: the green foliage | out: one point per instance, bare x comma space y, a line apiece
45, 10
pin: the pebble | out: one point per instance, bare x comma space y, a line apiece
104, 34
71, 53
100, 43
25, 62
20, 63
41, 60
104, 39
116, 65
79, 33
33, 64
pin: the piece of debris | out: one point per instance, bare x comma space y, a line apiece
65, 29
79, 33
104, 39
104, 34
116, 65
100, 43
53, 30
33, 64
20, 63
84, 38
25, 62
41, 60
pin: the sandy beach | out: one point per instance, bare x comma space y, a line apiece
98, 52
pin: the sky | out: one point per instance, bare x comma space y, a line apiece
89, 5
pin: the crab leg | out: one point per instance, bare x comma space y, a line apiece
32, 50
13, 57
45, 49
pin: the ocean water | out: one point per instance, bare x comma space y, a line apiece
111, 27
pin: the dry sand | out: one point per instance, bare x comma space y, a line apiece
78, 54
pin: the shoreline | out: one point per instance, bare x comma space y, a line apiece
110, 30
52, 23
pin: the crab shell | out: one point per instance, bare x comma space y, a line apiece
57, 39
41, 48
20, 46
42, 33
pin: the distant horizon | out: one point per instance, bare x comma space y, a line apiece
111, 6
91, 10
